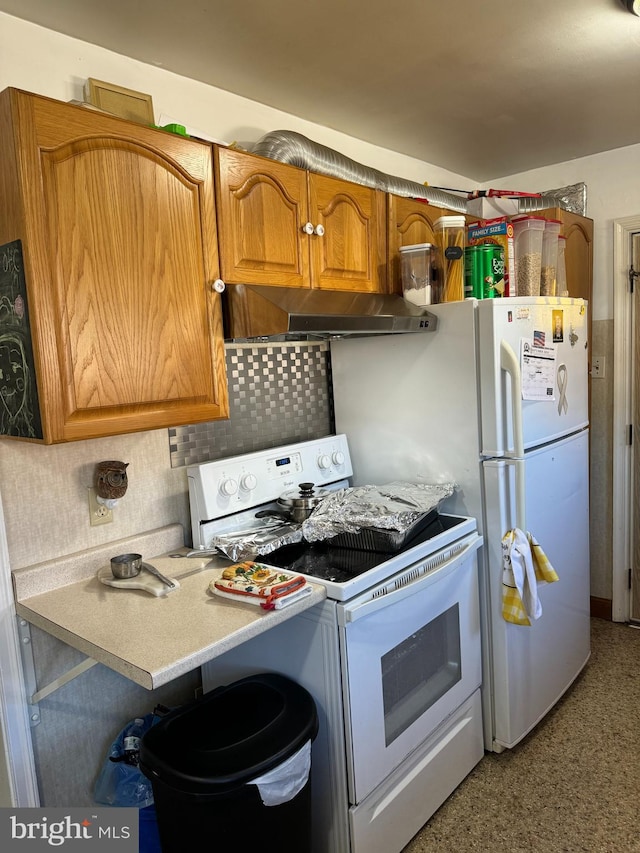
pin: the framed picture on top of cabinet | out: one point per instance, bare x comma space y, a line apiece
126, 103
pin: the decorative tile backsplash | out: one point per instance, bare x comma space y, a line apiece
278, 394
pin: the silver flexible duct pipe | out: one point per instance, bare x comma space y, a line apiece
293, 148
573, 198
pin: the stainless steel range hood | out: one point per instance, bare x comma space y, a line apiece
261, 311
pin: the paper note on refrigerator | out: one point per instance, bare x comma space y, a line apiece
538, 370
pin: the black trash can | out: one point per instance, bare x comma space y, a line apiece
202, 757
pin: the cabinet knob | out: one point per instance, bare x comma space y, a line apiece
319, 230
308, 227
219, 286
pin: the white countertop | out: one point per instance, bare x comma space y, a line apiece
149, 639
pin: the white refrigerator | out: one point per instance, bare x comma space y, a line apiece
495, 400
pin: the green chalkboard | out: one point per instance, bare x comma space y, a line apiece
19, 406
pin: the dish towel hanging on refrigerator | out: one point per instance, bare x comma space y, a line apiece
524, 565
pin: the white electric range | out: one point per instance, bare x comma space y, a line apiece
392, 657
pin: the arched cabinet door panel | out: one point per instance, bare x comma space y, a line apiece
262, 209
281, 225
410, 222
346, 243
120, 253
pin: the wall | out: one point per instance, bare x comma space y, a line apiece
47, 63
613, 192
281, 393
45, 488
278, 394
49, 517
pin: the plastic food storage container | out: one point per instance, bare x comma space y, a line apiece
417, 265
527, 239
450, 239
549, 264
561, 269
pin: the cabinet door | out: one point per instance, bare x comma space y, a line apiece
349, 254
120, 250
410, 221
578, 231
262, 207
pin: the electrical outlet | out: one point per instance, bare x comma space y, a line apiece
597, 367
98, 513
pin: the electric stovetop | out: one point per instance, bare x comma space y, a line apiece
325, 562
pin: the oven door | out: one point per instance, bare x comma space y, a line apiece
411, 656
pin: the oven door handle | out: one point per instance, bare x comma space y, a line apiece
357, 611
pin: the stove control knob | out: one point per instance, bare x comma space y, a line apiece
324, 462
248, 482
228, 487
338, 457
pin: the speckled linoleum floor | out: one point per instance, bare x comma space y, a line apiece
573, 784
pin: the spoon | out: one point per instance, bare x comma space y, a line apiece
165, 580
205, 552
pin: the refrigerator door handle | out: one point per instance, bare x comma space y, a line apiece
509, 363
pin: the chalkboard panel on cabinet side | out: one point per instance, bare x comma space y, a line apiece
19, 403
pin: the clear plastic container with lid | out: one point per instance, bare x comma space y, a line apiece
561, 270
527, 244
450, 238
419, 275
549, 264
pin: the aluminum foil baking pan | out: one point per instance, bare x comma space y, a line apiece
385, 541
258, 540
395, 508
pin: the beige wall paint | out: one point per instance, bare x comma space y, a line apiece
613, 192
48, 63
45, 489
39, 60
45, 493
601, 453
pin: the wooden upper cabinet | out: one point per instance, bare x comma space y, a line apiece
410, 221
578, 231
346, 246
284, 226
117, 228
262, 208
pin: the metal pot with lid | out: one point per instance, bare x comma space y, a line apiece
297, 504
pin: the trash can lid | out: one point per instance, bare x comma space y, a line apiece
229, 735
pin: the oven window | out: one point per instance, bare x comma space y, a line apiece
419, 670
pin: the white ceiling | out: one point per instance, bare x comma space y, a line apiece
484, 88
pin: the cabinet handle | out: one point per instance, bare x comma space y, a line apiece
319, 230
308, 228
219, 286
